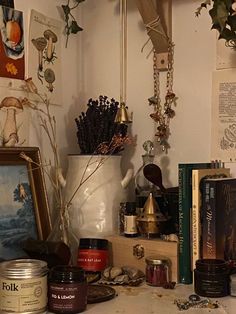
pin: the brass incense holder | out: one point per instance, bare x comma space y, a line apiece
151, 222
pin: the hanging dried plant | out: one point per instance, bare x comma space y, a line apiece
71, 26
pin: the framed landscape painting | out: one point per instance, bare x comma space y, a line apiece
24, 211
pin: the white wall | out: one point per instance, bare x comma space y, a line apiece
193, 65
68, 109
90, 67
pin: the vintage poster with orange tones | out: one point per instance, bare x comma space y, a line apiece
12, 63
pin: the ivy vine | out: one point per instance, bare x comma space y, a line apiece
71, 26
223, 16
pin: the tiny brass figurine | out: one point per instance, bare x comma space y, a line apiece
151, 222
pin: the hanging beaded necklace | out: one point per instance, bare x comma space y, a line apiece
163, 113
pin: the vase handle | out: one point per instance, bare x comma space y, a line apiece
126, 180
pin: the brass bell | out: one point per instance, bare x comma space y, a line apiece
122, 115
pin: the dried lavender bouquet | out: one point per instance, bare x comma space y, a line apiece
97, 125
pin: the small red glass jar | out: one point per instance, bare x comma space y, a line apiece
157, 271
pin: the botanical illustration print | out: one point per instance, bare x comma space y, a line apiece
11, 43
17, 219
223, 116
44, 55
14, 119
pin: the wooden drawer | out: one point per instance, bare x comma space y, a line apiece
122, 252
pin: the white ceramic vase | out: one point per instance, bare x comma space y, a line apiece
94, 209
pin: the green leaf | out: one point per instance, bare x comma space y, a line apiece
219, 14
232, 22
226, 34
75, 28
66, 9
217, 27
228, 4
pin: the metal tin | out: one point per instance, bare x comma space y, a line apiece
23, 286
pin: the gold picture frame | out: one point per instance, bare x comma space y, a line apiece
24, 209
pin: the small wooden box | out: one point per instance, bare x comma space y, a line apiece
123, 251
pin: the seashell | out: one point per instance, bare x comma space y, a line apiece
170, 237
122, 279
132, 272
106, 273
111, 272
114, 272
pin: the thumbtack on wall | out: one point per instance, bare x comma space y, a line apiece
162, 61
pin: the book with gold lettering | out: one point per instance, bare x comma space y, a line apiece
197, 176
219, 218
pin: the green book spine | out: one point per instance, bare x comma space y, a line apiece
185, 205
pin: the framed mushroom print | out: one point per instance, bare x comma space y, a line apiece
24, 211
44, 61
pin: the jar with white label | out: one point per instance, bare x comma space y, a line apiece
23, 285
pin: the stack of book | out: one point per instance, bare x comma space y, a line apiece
207, 215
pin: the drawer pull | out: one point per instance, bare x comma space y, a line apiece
138, 251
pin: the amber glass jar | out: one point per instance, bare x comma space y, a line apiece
67, 290
211, 278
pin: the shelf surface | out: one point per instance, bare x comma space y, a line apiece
149, 300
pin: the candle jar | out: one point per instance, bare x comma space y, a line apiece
157, 271
93, 255
67, 291
211, 278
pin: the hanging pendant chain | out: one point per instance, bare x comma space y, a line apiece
156, 80
169, 81
163, 112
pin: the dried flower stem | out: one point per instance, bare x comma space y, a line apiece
48, 123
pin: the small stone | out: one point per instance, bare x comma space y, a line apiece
194, 298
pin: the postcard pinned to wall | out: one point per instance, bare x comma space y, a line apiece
223, 128
14, 119
11, 43
44, 65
